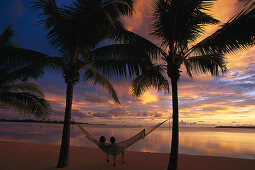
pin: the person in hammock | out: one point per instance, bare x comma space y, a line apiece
114, 149
104, 147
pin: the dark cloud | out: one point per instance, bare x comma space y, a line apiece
183, 123
111, 113
79, 114
158, 114
76, 114
149, 114
117, 112
195, 124
56, 105
184, 79
95, 97
241, 81
144, 114
208, 109
101, 115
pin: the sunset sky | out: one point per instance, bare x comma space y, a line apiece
203, 101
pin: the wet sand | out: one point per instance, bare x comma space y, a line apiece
44, 156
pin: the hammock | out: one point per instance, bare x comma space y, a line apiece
115, 149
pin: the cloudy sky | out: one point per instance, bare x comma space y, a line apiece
204, 100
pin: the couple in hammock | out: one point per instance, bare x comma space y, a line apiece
115, 148
111, 148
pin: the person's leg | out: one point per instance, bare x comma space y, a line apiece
122, 155
107, 159
114, 158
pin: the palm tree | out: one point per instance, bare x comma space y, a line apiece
77, 31
26, 98
178, 24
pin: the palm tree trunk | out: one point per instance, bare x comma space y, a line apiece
173, 160
64, 151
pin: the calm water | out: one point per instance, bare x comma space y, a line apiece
238, 143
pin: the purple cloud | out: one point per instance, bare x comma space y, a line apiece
95, 97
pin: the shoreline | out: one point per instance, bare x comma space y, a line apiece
45, 156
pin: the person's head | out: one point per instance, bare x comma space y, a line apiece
102, 139
112, 140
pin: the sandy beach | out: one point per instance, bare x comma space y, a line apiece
44, 156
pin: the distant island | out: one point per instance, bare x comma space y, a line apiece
251, 127
44, 121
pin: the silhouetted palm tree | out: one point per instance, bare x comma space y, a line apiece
26, 98
178, 24
77, 32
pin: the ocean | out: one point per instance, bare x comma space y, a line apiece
226, 142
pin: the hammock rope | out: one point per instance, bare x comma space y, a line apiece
114, 149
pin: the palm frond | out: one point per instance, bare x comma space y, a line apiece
21, 74
25, 103
91, 75
12, 73
152, 77
47, 7
16, 56
188, 67
51, 63
119, 7
5, 37
120, 60
237, 34
137, 42
30, 88
206, 64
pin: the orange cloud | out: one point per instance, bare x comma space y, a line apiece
148, 98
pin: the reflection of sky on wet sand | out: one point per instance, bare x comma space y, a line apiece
238, 143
